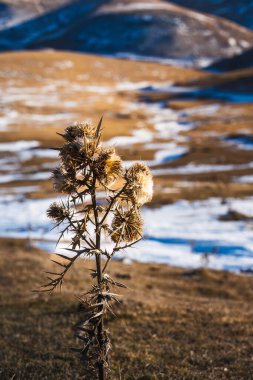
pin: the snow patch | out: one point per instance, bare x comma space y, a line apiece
176, 234
197, 169
18, 146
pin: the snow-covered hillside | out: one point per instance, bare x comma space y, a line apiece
156, 30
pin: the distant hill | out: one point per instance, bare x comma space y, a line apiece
240, 11
152, 30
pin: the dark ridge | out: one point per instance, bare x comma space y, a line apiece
239, 62
240, 12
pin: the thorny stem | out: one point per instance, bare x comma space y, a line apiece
91, 245
100, 328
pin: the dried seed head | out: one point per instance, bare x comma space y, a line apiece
90, 141
139, 184
64, 181
108, 165
79, 130
57, 212
70, 153
126, 226
89, 148
73, 132
89, 130
82, 142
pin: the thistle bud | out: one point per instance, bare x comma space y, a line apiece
139, 186
126, 226
108, 166
57, 212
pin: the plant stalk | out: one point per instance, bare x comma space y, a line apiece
100, 327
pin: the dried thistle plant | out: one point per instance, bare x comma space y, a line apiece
86, 168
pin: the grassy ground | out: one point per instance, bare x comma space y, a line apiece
172, 323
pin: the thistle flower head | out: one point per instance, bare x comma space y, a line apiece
79, 130
57, 212
64, 180
73, 132
139, 186
89, 148
70, 153
126, 226
82, 141
108, 165
89, 131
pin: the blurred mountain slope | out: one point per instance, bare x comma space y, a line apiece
240, 12
13, 12
151, 29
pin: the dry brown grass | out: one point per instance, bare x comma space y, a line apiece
60, 77
35, 70
182, 324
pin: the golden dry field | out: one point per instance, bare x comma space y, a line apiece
45, 90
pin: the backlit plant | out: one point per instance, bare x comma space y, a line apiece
91, 218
